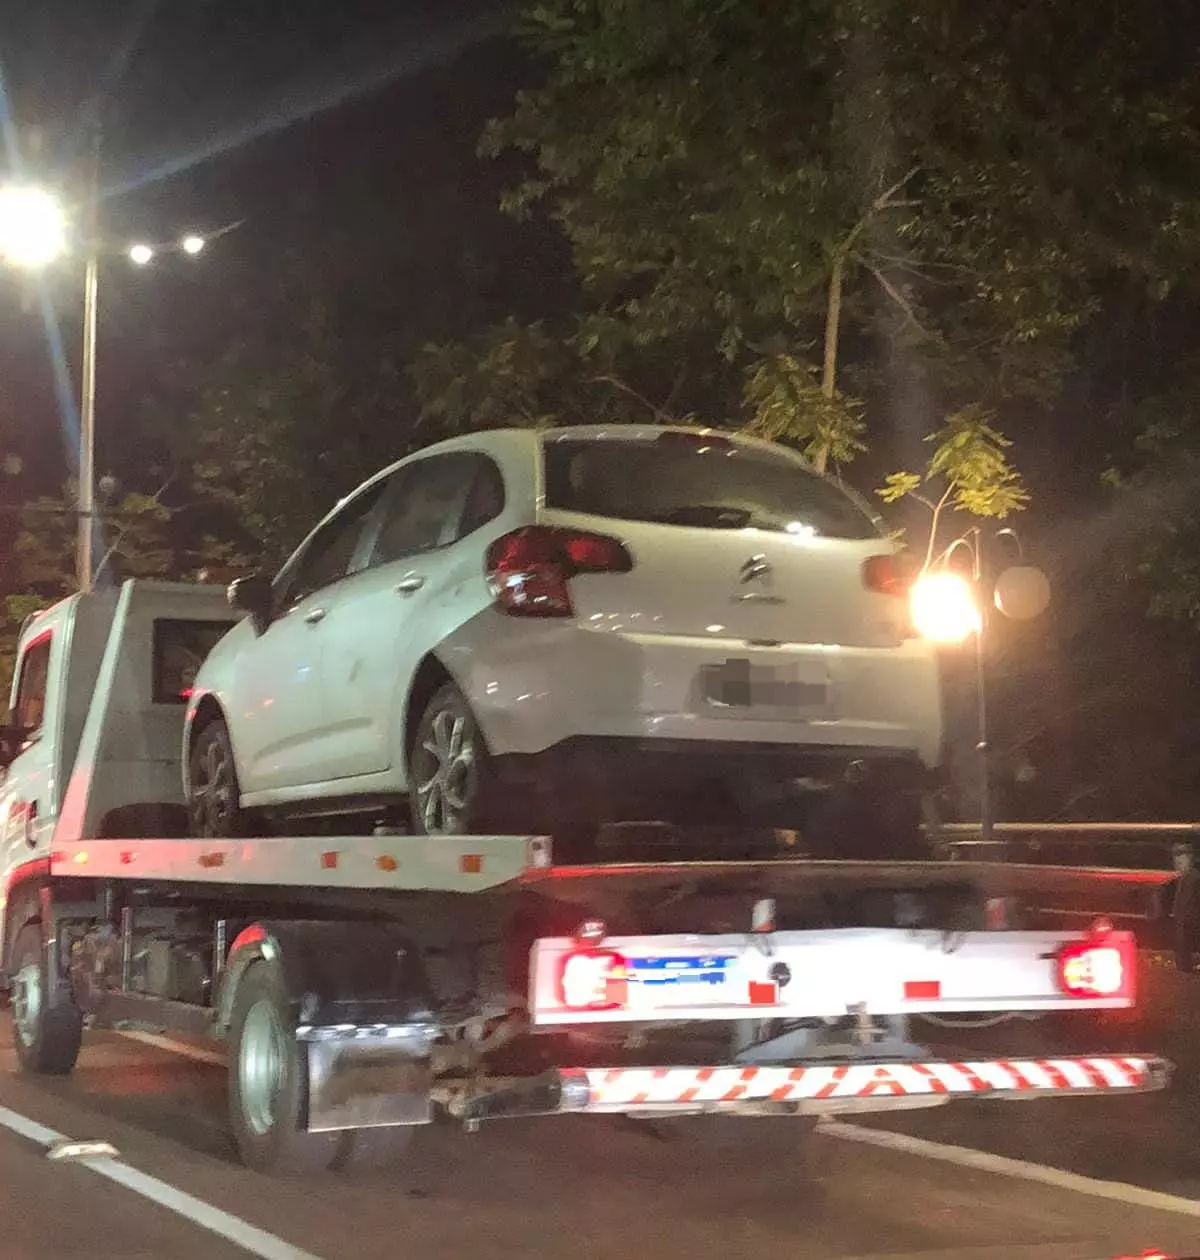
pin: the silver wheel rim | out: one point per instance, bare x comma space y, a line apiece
261, 1060
213, 791
446, 773
27, 1002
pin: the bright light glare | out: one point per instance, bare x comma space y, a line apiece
33, 226
944, 608
140, 254
800, 529
193, 244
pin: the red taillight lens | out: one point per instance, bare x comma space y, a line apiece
528, 570
1099, 968
593, 980
888, 575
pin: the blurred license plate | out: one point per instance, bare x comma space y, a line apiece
737, 684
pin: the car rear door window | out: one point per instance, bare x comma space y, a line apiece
434, 502
725, 485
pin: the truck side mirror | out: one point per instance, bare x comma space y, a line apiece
251, 596
12, 738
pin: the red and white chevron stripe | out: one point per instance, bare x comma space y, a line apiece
621, 1088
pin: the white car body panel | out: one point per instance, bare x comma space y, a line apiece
318, 709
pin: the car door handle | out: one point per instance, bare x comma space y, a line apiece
409, 583
314, 615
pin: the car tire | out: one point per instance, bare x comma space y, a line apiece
452, 785
268, 1081
47, 1024
214, 792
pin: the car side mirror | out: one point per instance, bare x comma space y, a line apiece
251, 596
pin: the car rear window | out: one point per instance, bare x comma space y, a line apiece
179, 650
722, 486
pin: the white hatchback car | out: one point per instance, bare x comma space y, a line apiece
552, 631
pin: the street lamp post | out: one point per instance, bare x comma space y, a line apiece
949, 608
33, 234
85, 537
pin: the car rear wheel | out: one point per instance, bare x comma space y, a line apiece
214, 793
451, 782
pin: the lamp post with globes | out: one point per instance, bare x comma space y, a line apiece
34, 233
949, 607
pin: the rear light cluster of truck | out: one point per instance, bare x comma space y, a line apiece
593, 979
529, 569
1102, 966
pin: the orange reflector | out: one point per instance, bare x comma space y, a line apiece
212, 859
329, 860
386, 862
471, 864
922, 990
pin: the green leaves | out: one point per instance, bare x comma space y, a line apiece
970, 458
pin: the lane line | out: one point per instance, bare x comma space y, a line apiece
237, 1231
1004, 1166
199, 1053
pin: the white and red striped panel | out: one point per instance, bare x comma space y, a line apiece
620, 1089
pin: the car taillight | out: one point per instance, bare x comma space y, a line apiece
1102, 967
528, 570
593, 980
888, 575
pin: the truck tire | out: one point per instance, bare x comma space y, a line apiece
47, 1025
214, 793
449, 769
373, 1150
268, 1081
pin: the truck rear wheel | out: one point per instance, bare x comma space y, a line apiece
268, 1081
214, 793
47, 1025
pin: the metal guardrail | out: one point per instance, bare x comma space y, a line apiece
1125, 846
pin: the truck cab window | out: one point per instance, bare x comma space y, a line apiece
31, 690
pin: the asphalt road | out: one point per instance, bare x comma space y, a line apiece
580, 1187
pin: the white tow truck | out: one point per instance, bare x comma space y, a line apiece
368, 984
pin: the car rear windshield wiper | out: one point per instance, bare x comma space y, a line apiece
706, 516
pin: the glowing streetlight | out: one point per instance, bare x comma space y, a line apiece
192, 244
944, 607
33, 226
140, 254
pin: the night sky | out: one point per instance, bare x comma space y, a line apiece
342, 135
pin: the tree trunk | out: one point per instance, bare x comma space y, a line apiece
833, 320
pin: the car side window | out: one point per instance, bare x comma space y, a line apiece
427, 504
331, 550
30, 709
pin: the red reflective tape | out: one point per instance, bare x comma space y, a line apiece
763, 993
1093, 1073
882, 1078
936, 1084
1135, 1068
1022, 1080
975, 1081
329, 860
699, 1079
126, 857
922, 990
1058, 1078
839, 1075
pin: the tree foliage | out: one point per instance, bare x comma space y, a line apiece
788, 216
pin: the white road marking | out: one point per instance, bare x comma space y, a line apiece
199, 1053
1002, 1165
239, 1232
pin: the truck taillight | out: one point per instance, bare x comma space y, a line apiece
1099, 968
593, 980
528, 570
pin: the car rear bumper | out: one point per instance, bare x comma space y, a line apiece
536, 685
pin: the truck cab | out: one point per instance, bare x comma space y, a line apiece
96, 714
